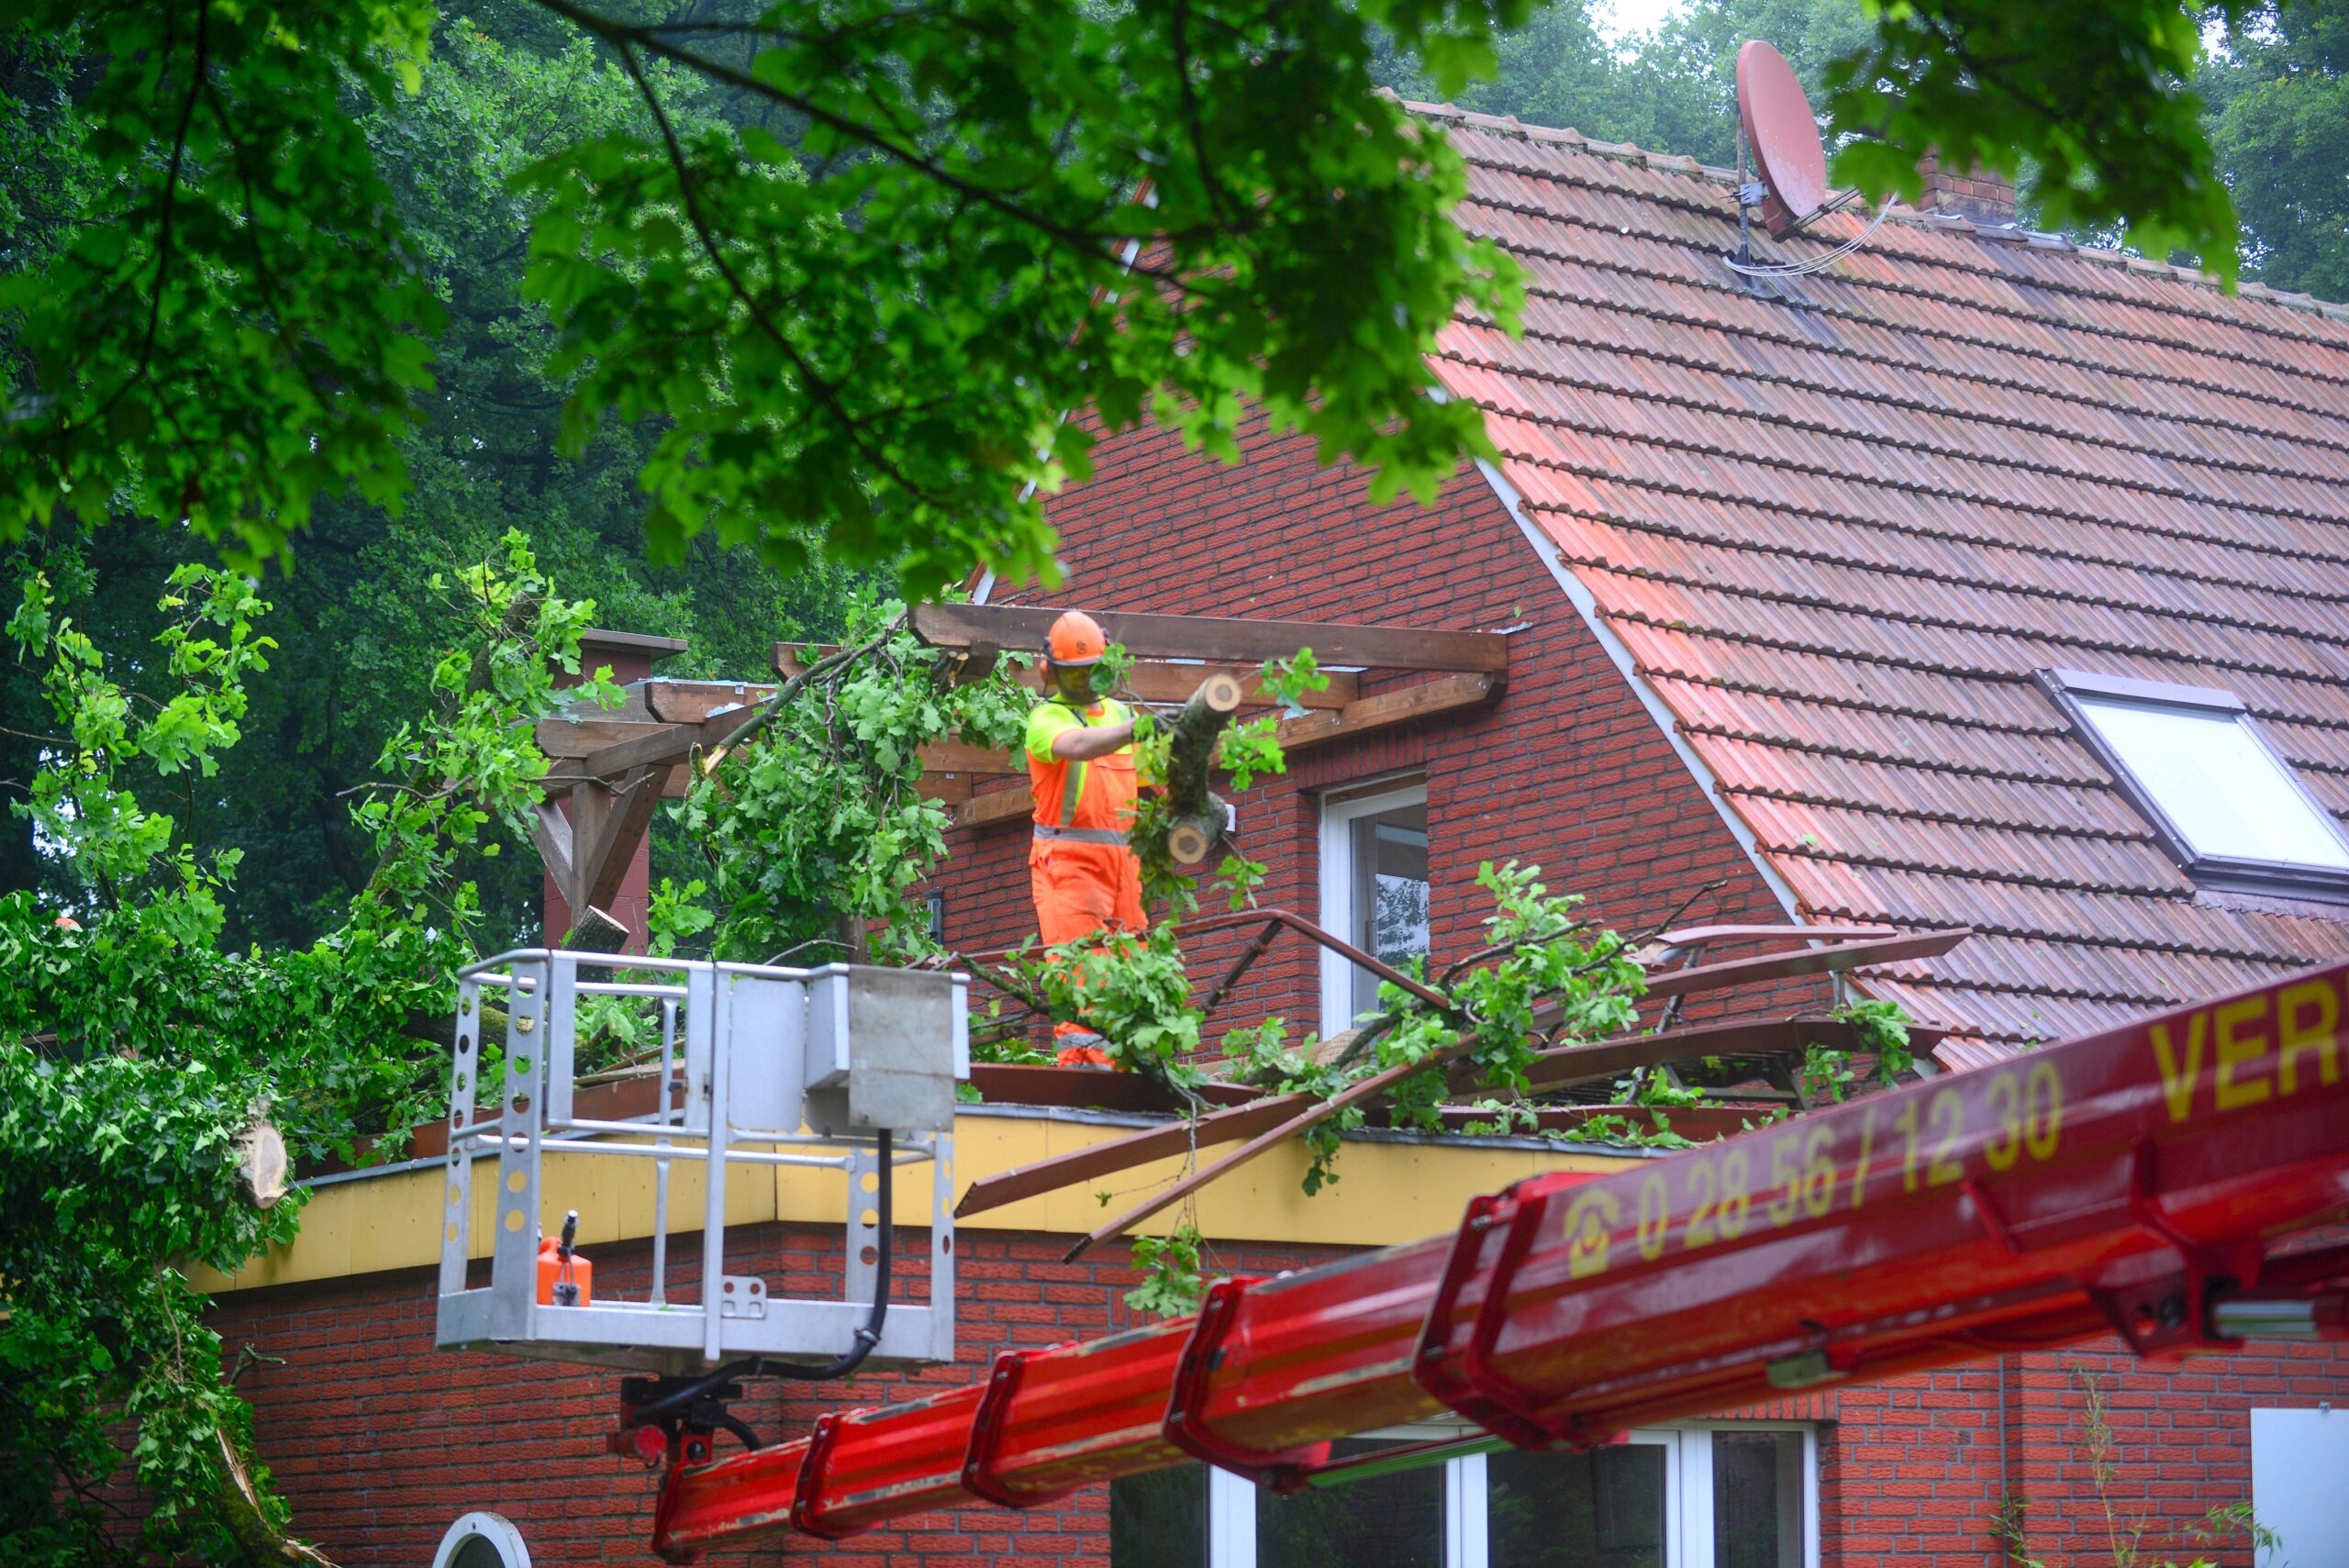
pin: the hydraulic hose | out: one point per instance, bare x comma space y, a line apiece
840, 1366
870, 1335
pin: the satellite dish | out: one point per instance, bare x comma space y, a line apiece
1784, 135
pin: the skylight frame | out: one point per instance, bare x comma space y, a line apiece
2236, 873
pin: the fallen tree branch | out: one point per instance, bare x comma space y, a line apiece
1194, 814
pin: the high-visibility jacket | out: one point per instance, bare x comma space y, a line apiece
1096, 795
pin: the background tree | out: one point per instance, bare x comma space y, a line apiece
2279, 93
359, 623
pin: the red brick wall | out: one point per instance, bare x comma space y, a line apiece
1567, 771
1917, 1470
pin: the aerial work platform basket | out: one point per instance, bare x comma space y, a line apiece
835, 1069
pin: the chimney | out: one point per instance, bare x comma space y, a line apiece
1982, 194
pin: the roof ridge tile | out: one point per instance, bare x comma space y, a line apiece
1510, 125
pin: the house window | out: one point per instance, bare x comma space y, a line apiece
1672, 1498
2226, 806
2298, 1458
1373, 891
482, 1541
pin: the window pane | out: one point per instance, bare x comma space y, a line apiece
1757, 1500
1599, 1509
2224, 791
1392, 1521
1160, 1520
1391, 880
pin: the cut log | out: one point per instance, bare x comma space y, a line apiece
595, 933
262, 1168
1193, 838
1195, 815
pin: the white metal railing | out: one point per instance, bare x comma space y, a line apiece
758, 1067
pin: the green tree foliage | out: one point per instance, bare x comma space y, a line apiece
2088, 102
852, 310
359, 624
2281, 92
135, 1045
809, 830
864, 312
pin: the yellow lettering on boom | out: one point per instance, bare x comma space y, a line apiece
2235, 1047
2297, 1033
2177, 1081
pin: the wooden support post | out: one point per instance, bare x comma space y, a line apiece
624, 827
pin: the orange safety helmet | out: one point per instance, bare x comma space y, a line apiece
1076, 640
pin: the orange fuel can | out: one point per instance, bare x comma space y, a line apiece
563, 1282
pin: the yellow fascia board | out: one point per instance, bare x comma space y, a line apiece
1389, 1192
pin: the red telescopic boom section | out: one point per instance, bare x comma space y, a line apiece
2164, 1181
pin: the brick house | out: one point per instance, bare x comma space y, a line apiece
1979, 581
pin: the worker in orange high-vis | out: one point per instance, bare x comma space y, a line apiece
1080, 768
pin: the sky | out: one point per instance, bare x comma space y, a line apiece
1617, 18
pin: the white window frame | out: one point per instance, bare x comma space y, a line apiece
1687, 1496
1338, 813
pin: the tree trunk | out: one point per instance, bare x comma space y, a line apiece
20, 861
1194, 812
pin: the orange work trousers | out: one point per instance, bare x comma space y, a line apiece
1081, 889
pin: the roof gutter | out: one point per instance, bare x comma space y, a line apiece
1585, 604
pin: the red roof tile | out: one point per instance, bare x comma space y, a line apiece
1838, 520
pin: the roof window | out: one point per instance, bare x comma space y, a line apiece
2227, 806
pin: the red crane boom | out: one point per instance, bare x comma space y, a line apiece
2168, 1180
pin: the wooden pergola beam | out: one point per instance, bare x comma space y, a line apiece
1174, 681
989, 628
1151, 679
